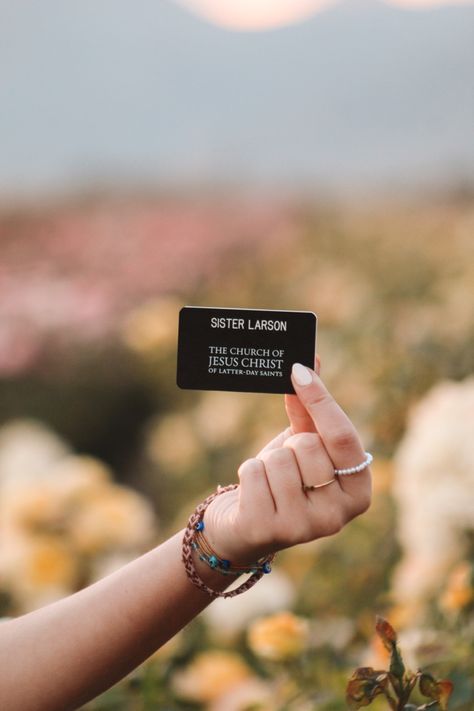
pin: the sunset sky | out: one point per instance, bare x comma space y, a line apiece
265, 14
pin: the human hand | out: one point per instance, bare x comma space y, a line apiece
300, 421
270, 511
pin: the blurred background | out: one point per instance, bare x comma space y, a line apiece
313, 155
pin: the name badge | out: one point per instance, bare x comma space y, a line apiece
243, 350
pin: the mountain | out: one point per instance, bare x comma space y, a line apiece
115, 93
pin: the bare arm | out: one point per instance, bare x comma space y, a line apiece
66, 653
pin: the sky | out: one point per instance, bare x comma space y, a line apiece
119, 94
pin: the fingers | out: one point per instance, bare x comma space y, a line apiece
337, 432
300, 419
276, 441
301, 516
329, 419
283, 476
255, 495
328, 503
313, 461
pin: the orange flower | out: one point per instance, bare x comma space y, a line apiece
278, 637
459, 591
211, 675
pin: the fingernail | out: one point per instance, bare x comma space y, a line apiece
301, 374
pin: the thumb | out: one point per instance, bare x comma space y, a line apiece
300, 420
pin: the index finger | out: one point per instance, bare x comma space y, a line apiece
337, 432
298, 416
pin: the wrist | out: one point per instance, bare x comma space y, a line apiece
234, 549
211, 577
196, 549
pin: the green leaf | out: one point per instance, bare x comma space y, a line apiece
397, 667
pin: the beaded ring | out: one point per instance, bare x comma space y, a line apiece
358, 468
196, 517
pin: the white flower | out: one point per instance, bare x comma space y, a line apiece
27, 451
219, 415
250, 694
273, 592
433, 485
336, 632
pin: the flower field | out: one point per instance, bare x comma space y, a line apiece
102, 456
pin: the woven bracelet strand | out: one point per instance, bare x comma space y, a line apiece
209, 556
187, 550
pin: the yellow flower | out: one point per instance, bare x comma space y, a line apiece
251, 694
172, 443
115, 517
459, 592
211, 675
29, 507
279, 637
37, 570
218, 417
80, 478
46, 503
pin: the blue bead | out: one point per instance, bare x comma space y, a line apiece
267, 568
199, 526
225, 563
213, 561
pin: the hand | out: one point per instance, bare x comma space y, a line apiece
270, 511
298, 416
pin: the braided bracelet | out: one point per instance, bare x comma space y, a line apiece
195, 524
222, 565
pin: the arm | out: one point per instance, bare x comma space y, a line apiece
74, 649
66, 653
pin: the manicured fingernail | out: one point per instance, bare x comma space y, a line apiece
301, 374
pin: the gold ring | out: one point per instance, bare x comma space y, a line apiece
311, 487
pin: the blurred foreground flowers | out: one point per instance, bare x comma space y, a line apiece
64, 522
88, 330
282, 636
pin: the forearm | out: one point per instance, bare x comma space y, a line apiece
64, 654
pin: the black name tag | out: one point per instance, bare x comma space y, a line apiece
243, 350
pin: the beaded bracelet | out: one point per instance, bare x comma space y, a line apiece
261, 567
222, 565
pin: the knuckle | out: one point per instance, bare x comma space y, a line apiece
343, 438
281, 456
358, 505
317, 400
363, 502
250, 466
305, 440
334, 522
